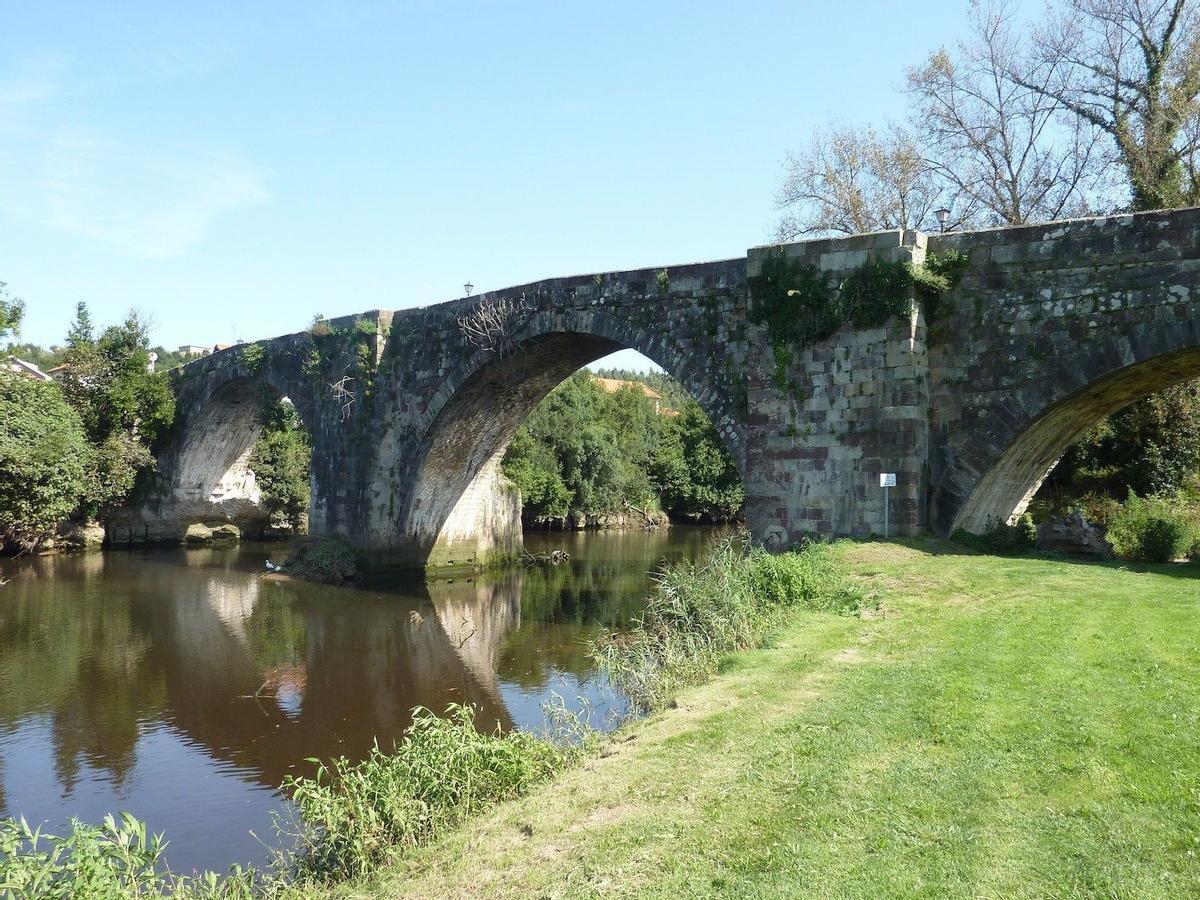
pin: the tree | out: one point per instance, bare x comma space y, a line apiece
854, 181
1149, 447
81, 333
12, 310
44, 458
281, 461
696, 477
1131, 68
1000, 144
123, 406
584, 453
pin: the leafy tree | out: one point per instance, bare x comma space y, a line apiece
81, 333
585, 452
696, 476
44, 460
12, 310
124, 407
1130, 68
1149, 447
281, 462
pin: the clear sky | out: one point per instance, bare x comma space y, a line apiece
232, 169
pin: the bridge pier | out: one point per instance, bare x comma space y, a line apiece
822, 428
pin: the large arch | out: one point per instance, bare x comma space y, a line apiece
1026, 436
456, 508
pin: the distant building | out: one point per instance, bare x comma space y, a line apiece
194, 350
58, 371
612, 385
28, 369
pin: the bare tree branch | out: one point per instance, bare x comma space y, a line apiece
492, 324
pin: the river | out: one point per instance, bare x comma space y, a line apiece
183, 687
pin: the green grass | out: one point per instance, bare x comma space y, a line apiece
1002, 727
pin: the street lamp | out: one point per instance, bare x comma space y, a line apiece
943, 216
468, 287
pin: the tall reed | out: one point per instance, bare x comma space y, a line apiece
444, 771
701, 611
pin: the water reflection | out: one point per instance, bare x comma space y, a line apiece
183, 686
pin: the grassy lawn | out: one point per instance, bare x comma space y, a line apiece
1005, 728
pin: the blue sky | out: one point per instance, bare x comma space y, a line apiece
234, 169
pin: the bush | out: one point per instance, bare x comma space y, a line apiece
110, 862
699, 612
1152, 529
1017, 537
327, 560
44, 460
441, 774
281, 461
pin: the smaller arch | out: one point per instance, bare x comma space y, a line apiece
211, 478
1006, 488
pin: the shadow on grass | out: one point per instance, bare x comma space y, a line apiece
934, 546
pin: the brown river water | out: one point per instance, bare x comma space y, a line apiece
181, 686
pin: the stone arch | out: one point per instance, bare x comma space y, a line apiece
1021, 439
212, 478
452, 512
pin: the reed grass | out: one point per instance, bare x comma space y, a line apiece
701, 611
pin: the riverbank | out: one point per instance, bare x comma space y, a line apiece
1003, 727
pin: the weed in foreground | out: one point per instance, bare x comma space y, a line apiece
445, 771
699, 612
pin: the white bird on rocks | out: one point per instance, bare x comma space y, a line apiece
271, 567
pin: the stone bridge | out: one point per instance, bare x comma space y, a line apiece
1050, 328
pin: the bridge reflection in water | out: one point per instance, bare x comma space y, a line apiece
183, 687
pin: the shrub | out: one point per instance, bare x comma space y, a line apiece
1016, 537
699, 612
282, 461
110, 862
443, 772
44, 460
1152, 529
326, 560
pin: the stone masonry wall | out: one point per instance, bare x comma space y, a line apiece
859, 408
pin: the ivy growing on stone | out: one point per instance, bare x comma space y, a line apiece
801, 305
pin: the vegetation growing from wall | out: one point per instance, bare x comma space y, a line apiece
585, 454
281, 461
342, 362
800, 304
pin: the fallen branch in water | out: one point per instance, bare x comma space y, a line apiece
554, 558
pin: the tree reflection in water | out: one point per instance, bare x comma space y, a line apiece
113, 665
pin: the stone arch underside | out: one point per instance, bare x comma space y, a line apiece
459, 508
1008, 485
212, 476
